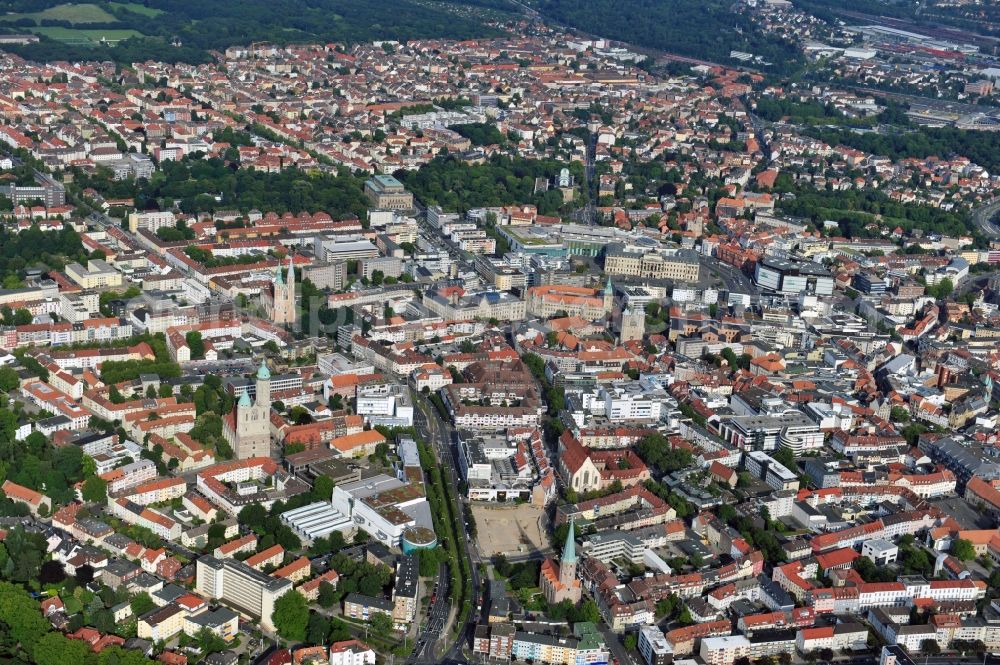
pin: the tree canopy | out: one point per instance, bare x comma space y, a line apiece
983, 148
708, 30
176, 33
457, 186
657, 451
291, 616
186, 181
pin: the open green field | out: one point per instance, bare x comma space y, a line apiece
137, 8
76, 14
84, 36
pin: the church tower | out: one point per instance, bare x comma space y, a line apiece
567, 563
631, 324
264, 385
281, 303
558, 582
244, 413
291, 280
249, 431
609, 296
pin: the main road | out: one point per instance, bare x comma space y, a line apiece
441, 436
437, 620
983, 216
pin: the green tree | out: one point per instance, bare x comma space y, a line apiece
669, 607
291, 616
8, 379
252, 515
285, 537
899, 414
26, 551
55, 649
118, 656
88, 466
52, 572
587, 611
656, 450
195, 344
380, 623
115, 395
208, 642
942, 289
103, 620
317, 628
141, 603
322, 488
327, 595
963, 550
95, 490
338, 631
786, 458
22, 317
25, 624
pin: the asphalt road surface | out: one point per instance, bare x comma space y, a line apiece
437, 616
429, 424
983, 216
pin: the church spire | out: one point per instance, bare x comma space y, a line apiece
569, 549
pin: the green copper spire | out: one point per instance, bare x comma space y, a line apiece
278, 279
569, 551
608, 290
263, 372
245, 399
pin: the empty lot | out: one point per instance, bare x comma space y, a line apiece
510, 530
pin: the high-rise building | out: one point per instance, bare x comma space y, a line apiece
248, 427
151, 220
240, 586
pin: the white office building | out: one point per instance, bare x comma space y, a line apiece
385, 404
383, 506
245, 589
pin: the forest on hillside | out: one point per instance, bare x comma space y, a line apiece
983, 148
173, 30
706, 30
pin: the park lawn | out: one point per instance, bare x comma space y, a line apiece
137, 8
74, 13
83, 36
